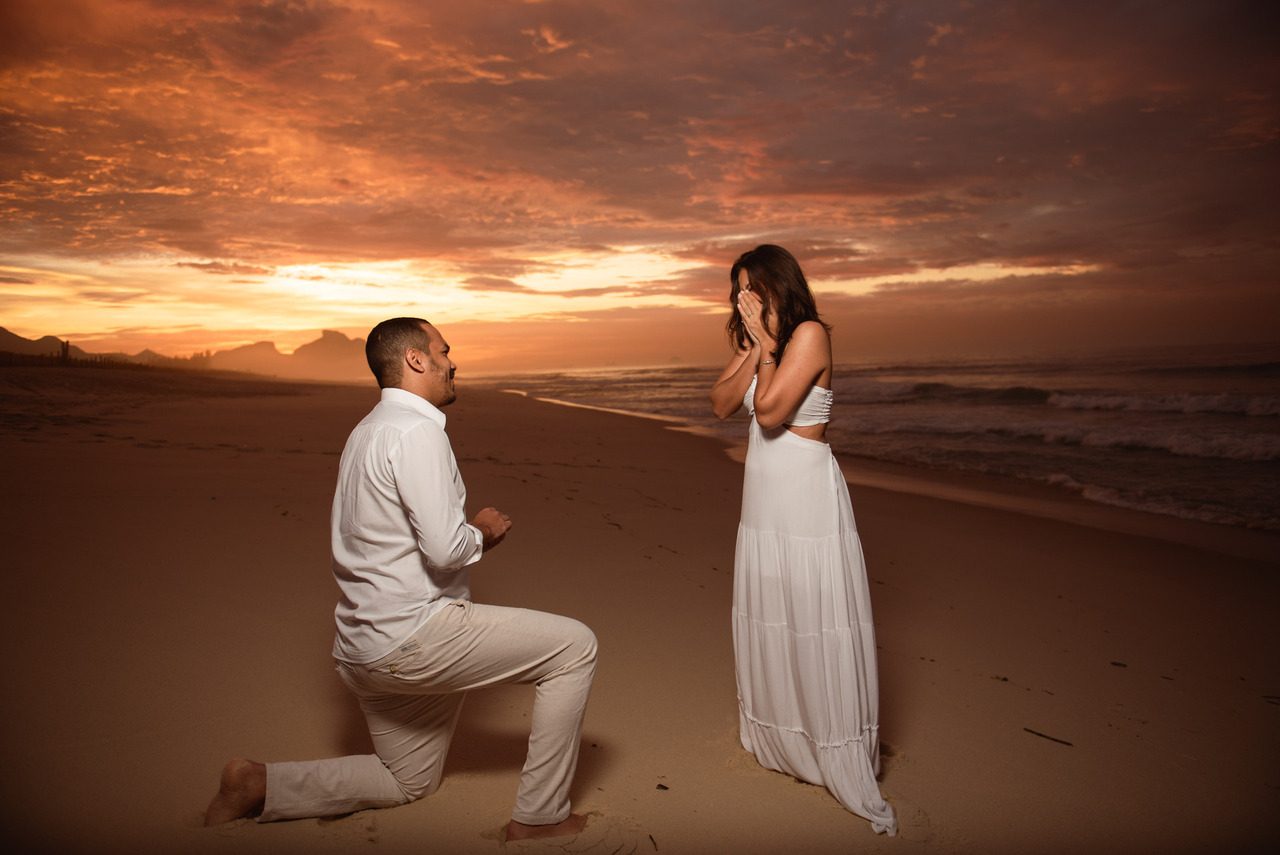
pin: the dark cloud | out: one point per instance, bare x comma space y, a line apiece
875, 139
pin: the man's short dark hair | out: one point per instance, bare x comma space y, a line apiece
385, 347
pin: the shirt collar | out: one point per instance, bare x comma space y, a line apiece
393, 395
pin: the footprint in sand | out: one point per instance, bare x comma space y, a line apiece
359, 826
913, 822
611, 834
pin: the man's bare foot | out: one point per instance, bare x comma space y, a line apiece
242, 791
572, 825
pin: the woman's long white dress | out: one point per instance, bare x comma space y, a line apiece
804, 644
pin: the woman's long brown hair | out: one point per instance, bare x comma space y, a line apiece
775, 275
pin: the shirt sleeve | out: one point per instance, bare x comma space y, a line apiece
434, 499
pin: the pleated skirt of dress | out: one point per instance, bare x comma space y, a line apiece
804, 643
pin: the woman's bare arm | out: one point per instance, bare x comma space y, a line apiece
728, 392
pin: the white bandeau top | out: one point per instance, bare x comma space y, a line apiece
815, 409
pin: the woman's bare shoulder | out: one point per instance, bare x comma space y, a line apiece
810, 332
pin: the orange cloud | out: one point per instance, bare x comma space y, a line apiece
482, 157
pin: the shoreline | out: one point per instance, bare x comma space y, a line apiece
1009, 494
1041, 500
76, 387
976, 488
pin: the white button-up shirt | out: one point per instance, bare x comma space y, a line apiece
401, 541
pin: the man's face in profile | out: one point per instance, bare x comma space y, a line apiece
440, 369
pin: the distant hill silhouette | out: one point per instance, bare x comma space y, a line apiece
333, 356
11, 343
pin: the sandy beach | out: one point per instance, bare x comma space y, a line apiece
1108, 684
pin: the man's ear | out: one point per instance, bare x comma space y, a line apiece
413, 359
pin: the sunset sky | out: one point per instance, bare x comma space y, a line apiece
566, 183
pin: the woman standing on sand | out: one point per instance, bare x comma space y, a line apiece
804, 644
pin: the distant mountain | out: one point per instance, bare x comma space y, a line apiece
150, 357
13, 343
259, 358
333, 356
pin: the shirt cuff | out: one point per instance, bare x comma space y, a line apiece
479, 540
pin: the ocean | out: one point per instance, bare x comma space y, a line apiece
1189, 433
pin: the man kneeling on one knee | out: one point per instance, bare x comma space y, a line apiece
410, 643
